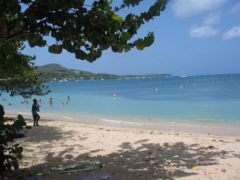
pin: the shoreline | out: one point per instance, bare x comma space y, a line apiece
176, 127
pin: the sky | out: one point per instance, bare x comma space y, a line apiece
192, 37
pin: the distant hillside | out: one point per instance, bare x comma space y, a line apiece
52, 67
55, 72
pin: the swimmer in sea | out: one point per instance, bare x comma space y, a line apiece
50, 102
114, 96
68, 98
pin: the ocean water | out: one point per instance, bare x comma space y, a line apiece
211, 99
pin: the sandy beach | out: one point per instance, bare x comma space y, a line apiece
126, 153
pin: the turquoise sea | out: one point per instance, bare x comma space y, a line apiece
212, 99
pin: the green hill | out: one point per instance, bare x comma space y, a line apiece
52, 67
55, 72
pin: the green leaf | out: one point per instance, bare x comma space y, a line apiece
140, 46
117, 18
55, 49
125, 36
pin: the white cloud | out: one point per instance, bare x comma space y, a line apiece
187, 8
236, 8
212, 18
232, 33
203, 32
206, 28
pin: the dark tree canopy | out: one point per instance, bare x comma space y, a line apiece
80, 28
17, 75
84, 28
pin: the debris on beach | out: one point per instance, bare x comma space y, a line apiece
210, 147
202, 149
86, 166
39, 174
223, 170
196, 168
25, 164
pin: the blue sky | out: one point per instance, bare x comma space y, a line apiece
191, 37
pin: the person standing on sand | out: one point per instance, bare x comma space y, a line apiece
1, 113
35, 109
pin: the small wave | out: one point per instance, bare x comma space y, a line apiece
116, 121
24, 113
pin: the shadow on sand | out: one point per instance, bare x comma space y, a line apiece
148, 161
36, 134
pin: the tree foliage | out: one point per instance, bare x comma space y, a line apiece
83, 29
9, 154
17, 75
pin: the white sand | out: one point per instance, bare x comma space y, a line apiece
128, 153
